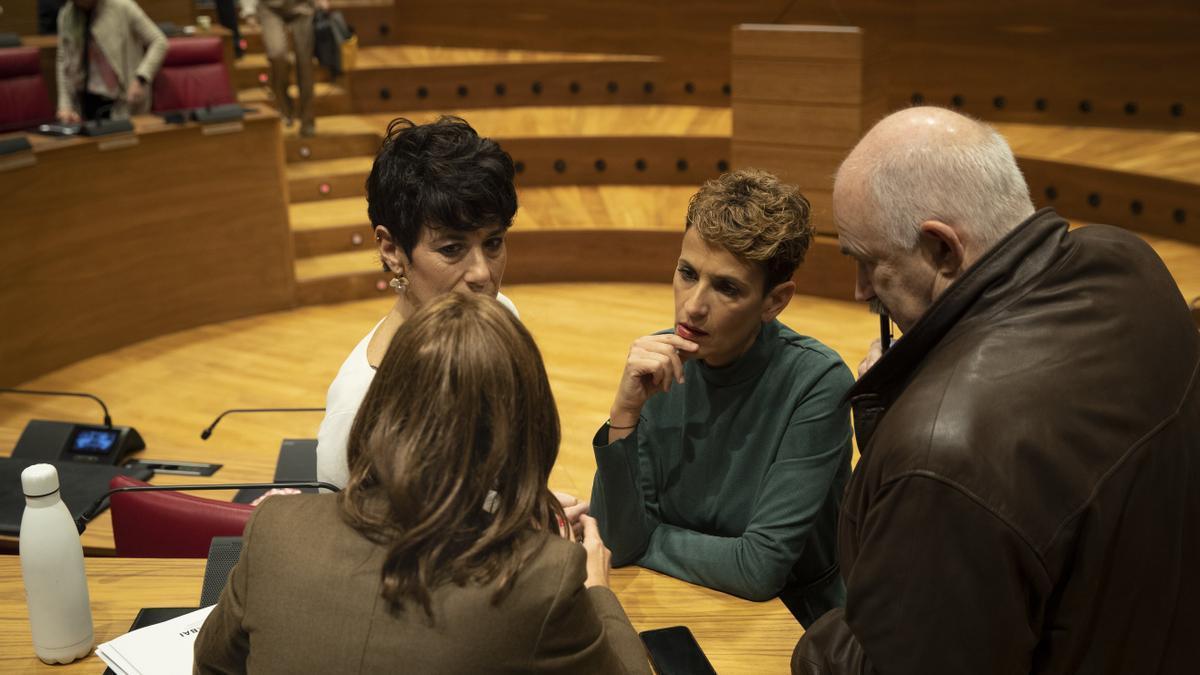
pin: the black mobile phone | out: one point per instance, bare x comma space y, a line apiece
674, 651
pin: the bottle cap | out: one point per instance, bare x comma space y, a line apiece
39, 480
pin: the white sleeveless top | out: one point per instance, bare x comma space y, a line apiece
345, 395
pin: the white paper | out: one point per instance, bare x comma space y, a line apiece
164, 648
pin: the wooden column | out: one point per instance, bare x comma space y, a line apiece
802, 97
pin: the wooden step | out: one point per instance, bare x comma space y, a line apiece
253, 70
329, 144
1143, 180
328, 179
547, 161
595, 145
569, 255
373, 21
537, 83
341, 226
328, 98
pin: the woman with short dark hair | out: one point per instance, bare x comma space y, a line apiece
441, 199
446, 552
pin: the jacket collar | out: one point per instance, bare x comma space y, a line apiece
1011, 263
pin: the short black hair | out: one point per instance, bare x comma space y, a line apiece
440, 175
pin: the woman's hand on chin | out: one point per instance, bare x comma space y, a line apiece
654, 364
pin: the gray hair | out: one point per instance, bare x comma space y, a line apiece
970, 180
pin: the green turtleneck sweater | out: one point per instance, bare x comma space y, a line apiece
732, 480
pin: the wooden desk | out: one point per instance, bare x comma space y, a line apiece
111, 240
738, 636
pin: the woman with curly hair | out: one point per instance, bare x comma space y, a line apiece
728, 442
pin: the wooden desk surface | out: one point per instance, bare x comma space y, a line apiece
737, 635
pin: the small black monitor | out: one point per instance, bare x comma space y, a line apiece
93, 440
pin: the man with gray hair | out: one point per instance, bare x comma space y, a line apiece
1028, 494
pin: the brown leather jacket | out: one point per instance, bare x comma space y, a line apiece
1028, 497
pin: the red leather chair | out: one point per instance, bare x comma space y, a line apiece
24, 100
171, 524
193, 75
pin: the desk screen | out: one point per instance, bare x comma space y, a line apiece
93, 441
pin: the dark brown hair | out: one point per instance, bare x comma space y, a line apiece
754, 216
460, 407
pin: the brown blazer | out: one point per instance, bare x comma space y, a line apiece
305, 597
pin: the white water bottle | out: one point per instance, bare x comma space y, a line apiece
60, 613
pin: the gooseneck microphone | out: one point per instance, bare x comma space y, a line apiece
107, 418
98, 506
885, 332
209, 429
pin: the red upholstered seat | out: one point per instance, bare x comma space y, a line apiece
193, 75
24, 99
171, 524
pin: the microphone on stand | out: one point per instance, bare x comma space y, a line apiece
100, 504
209, 429
107, 418
52, 440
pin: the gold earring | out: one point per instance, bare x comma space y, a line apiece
399, 283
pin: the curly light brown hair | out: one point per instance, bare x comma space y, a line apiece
754, 216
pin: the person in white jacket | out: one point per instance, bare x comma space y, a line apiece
108, 53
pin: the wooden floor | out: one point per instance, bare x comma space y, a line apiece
172, 387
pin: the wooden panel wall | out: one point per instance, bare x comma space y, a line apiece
537, 83
1066, 62
802, 97
698, 30
113, 240
578, 160
18, 16
1151, 204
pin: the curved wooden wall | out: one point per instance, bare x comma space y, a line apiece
593, 255
606, 82
1067, 62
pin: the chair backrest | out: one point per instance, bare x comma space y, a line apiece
193, 75
24, 99
171, 524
